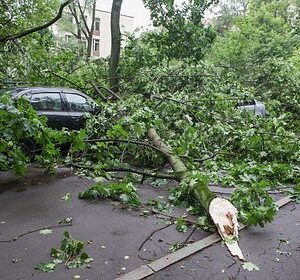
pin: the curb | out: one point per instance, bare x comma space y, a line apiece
146, 270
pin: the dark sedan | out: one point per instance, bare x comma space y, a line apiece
63, 107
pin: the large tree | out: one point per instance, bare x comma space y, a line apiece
115, 44
82, 29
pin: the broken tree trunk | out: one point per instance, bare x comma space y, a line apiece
222, 212
202, 193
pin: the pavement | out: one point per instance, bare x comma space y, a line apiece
113, 235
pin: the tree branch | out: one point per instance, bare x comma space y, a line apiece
127, 142
157, 175
172, 176
37, 28
98, 91
83, 18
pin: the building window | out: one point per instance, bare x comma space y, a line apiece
97, 27
97, 24
96, 45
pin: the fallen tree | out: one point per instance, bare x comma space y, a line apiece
222, 212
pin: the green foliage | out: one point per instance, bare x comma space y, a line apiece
122, 191
175, 247
19, 122
295, 194
46, 267
183, 195
255, 205
182, 35
181, 225
185, 80
23, 132
159, 206
70, 253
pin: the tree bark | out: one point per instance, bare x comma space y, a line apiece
88, 31
202, 194
115, 44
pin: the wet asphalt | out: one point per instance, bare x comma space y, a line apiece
113, 235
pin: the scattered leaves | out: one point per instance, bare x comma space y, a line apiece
67, 220
122, 191
70, 253
181, 225
250, 266
66, 197
295, 194
46, 231
46, 267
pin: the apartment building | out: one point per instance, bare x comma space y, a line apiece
65, 30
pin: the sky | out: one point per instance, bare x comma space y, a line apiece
133, 8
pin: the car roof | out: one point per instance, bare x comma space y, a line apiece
16, 92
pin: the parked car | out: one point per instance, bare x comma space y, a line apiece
63, 107
257, 107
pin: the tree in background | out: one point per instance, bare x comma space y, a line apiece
115, 44
181, 33
225, 12
17, 17
82, 30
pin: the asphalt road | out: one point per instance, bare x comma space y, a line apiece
113, 236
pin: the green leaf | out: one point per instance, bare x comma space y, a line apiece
66, 197
67, 234
250, 266
46, 267
46, 231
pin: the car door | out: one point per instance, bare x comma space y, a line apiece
50, 104
78, 105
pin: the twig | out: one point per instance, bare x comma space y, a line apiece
172, 176
32, 231
127, 141
169, 216
151, 234
189, 236
67, 80
111, 92
98, 91
152, 210
213, 155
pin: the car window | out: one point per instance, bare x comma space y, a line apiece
46, 101
79, 103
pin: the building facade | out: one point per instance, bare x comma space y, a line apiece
65, 30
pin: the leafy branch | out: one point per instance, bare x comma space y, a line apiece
21, 34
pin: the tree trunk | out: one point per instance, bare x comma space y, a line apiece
201, 192
115, 44
91, 31
88, 31
222, 212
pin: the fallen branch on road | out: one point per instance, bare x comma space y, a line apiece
33, 231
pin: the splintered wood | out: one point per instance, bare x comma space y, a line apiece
224, 215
